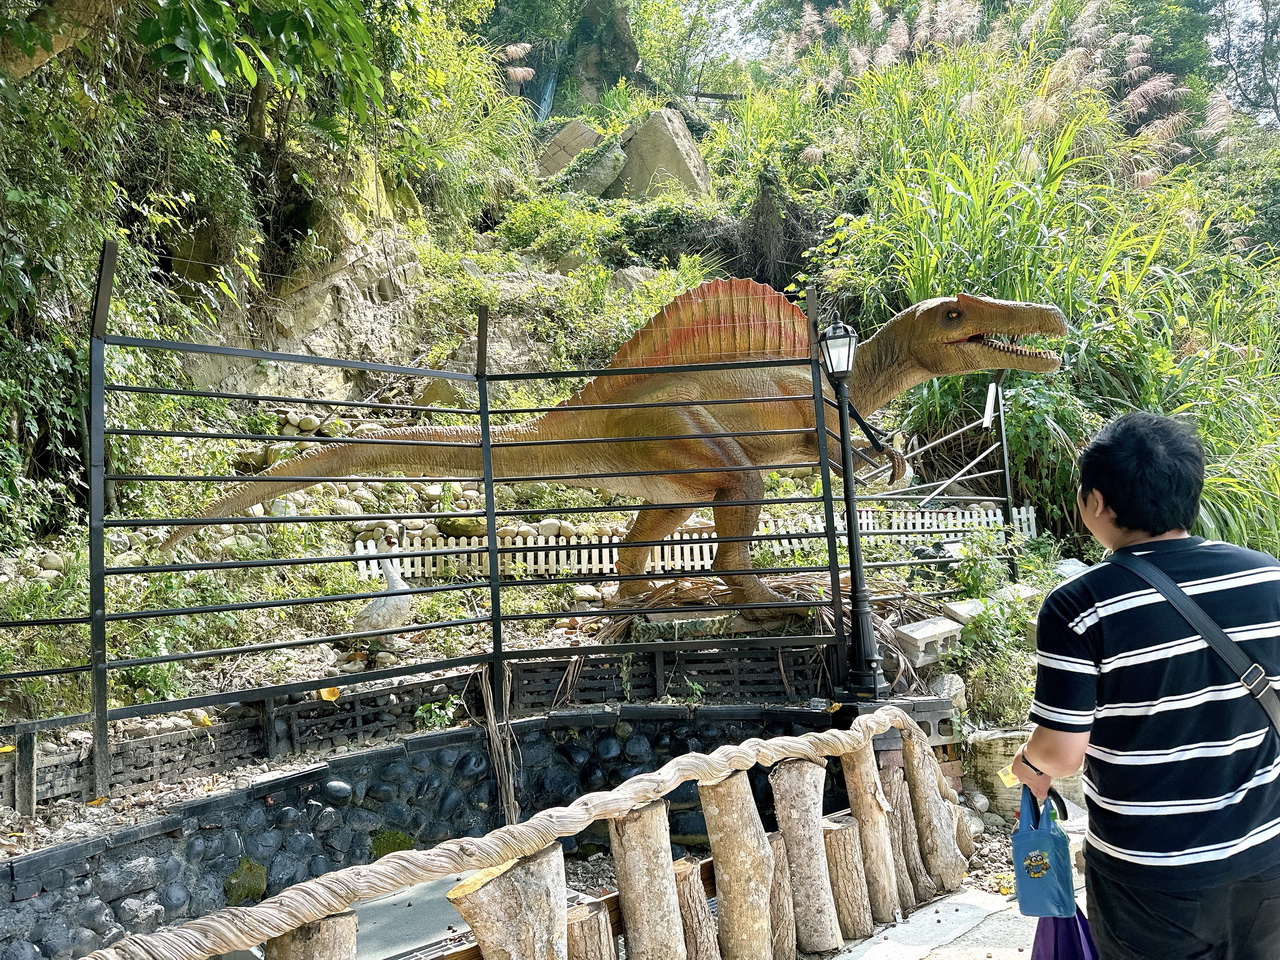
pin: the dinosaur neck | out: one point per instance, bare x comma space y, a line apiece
882, 369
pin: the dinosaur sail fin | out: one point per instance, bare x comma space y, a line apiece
723, 321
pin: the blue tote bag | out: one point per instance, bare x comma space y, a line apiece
1042, 861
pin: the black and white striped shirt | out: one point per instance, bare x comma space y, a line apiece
1182, 772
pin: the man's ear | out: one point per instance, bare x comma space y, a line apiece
1099, 506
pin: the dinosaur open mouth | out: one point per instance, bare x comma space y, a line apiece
1006, 344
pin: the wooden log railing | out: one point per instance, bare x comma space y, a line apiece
863, 860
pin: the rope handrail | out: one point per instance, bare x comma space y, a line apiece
240, 928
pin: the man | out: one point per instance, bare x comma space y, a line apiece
1182, 766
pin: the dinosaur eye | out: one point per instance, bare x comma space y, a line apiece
954, 314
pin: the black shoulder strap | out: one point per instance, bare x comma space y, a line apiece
1251, 674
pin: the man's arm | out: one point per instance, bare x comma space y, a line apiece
1055, 753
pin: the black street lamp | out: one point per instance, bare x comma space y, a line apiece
839, 345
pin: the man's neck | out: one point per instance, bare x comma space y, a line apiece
1132, 538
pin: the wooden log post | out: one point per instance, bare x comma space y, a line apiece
24, 770
935, 815
641, 843
333, 938
964, 836
744, 868
871, 810
842, 837
517, 910
781, 903
590, 933
797, 800
902, 824
695, 913
906, 888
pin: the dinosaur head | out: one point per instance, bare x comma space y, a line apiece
964, 333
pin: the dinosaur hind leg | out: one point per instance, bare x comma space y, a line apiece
741, 521
649, 525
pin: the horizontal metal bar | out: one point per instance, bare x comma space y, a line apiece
288, 689
281, 438
177, 346
435, 515
709, 609
258, 478
290, 602
301, 518
41, 726
646, 371
50, 672
282, 644
216, 395
580, 547
651, 439
284, 561
648, 405
727, 644
279, 478
46, 622
696, 504
532, 583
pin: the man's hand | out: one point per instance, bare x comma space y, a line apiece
1038, 782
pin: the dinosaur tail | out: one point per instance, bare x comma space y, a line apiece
454, 452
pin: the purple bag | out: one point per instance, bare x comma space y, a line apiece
1064, 938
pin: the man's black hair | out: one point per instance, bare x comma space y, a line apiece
1150, 471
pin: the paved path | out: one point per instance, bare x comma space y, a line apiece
969, 925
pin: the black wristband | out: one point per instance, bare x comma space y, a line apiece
1033, 767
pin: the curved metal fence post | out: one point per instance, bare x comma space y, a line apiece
97, 509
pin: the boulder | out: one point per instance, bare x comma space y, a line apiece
600, 174
569, 141
628, 278
660, 152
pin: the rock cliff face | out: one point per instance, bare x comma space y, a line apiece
359, 306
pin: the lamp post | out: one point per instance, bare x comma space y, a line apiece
839, 345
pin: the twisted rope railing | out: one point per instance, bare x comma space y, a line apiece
240, 928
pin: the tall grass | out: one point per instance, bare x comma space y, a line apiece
999, 173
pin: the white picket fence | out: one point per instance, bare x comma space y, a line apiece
686, 550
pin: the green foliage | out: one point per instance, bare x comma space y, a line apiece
437, 715
247, 884
700, 58
982, 569
996, 665
390, 841
453, 133
555, 226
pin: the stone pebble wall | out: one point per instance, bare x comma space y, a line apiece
236, 848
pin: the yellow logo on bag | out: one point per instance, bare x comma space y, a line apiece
1036, 864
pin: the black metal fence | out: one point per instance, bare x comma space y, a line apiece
807, 647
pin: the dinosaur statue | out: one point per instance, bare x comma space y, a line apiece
723, 321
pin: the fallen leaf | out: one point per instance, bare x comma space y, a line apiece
329, 693
96, 803
8, 748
